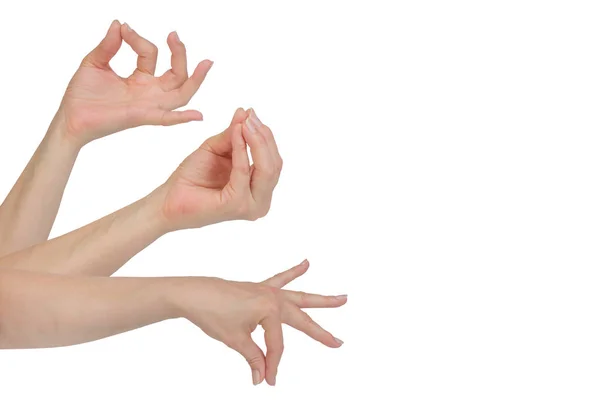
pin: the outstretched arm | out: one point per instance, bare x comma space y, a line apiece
215, 183
49, 310
97, 103
99, 248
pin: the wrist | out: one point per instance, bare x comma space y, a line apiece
58, 135
174, 215
152, 208
181, 294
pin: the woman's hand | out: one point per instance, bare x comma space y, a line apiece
216, 182
230, 311
98, 102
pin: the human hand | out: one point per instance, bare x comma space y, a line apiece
230, 311
98, 102
216, 183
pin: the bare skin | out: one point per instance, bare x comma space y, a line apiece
97, 103
215, 183
50, 310
58, 292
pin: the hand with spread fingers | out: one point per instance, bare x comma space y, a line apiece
216, 182
72, 273
98, 102
230, 311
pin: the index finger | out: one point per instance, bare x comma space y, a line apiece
108, 47
285, 277
274, 342
147, 52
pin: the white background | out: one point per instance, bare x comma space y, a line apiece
441, 167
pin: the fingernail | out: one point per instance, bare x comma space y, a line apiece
304, 263
250, 125
176, 37
274, 381
339, 341
342, 297
255, 377
254, 118
128, 27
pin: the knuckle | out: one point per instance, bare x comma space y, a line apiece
265, 209
152, 49
303, 299
262, 213
251, 215
270, 170
256, 213
277, 347
270, 300
254, 360
306, 319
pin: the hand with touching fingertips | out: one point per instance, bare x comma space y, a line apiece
98, 102
216, 182
230, 311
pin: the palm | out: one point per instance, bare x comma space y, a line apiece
201, 186
98, 102
199, 182
216, 182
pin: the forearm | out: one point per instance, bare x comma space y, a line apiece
29, 211
99, 248
49, 310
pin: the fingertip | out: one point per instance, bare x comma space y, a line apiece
114, 33
198, 116
340, 300
205, 65
200, 71
238, 116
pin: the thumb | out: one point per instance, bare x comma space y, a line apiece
255, 358
108, 47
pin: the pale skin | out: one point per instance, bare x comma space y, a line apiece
59, 292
